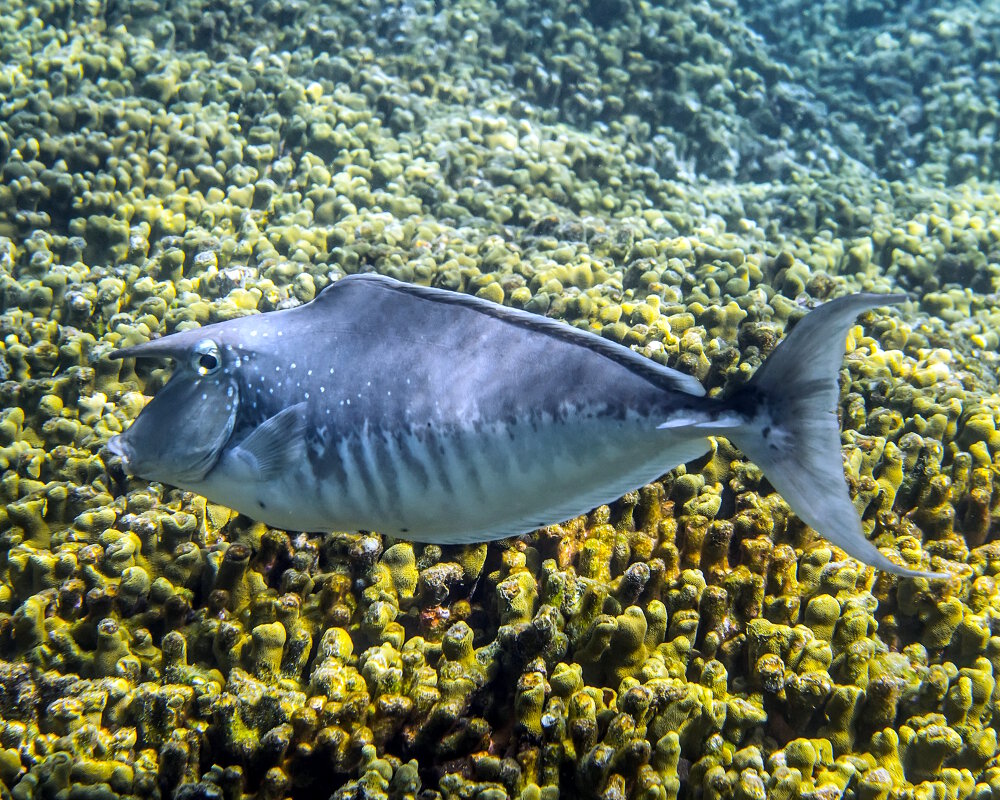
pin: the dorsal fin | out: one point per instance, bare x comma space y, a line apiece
664, 377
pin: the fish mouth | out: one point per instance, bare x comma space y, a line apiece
120, 448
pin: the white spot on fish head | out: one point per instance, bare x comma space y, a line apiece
322, 389
293, 365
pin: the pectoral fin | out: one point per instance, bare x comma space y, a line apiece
275, 446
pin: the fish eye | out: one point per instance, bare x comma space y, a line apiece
205, 358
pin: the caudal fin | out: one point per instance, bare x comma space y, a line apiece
791, 429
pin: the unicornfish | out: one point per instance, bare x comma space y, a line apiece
438, 417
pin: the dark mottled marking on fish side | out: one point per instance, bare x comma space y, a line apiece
404, 443
388, 473
364, 472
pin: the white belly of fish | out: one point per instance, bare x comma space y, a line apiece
461, 485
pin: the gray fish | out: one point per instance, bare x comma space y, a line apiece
439, 417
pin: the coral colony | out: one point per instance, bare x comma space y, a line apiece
687, 181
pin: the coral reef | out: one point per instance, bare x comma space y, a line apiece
910, 85
160, 171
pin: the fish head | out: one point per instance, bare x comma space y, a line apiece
181, 433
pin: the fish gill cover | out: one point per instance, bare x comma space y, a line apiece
684, 179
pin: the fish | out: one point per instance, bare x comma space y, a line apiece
439, 417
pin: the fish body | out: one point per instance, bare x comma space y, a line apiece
438, 417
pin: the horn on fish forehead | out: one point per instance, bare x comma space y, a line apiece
174, 346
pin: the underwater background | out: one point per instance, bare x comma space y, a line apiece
686, 178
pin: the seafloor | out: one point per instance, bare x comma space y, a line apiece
682, 177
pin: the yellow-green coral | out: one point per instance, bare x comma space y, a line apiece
691, 639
